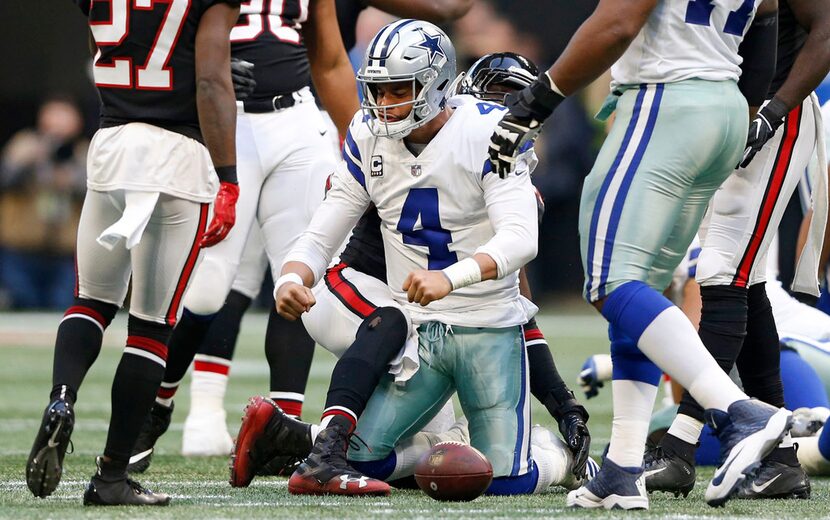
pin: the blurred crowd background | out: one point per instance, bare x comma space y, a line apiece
49, 110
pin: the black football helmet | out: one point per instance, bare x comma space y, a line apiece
494, 75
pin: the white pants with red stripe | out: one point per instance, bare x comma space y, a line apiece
744, 213
345, 297
160, 266
283, 161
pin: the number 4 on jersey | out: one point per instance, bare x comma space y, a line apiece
699, 12
422, 203
154, 74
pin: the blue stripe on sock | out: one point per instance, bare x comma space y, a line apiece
619, 202
631, 308
592, 235
520, 485
378, 469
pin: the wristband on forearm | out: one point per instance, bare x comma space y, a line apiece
546, 96
463, 273
286, 278
227, 174
775, 110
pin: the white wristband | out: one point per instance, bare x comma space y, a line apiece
284, 279
463, 273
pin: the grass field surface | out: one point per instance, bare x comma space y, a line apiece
199, 485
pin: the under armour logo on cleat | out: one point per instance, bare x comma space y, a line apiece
346, 479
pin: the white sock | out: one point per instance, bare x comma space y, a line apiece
633, 403
553, 459
686, 428
409, 451
315, 431
207, 390
787, 441
672, 343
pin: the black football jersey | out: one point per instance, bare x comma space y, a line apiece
791, 38
347, 13
144, 67
364, 252
269, 35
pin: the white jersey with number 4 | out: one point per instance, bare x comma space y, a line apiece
436, 208
686, 39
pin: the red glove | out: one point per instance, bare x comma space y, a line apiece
224, 214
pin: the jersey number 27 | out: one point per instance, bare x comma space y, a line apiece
154, 74
699, 12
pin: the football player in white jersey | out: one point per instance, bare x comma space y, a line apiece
675, 66
454, 236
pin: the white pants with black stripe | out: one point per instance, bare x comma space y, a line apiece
745, 212
159, 267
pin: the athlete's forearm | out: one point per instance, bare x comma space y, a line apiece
435, 11
338, 92
215, 100
599, 42
813, 60
301, 270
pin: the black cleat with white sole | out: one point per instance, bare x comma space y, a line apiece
747, 433
666, 470
119, 490
776, 479
45, 465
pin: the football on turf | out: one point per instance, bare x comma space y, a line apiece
453, 471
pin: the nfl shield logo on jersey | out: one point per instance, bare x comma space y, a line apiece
415, 170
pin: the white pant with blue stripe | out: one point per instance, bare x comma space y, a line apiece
670, 147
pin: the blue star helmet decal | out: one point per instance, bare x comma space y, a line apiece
431, 44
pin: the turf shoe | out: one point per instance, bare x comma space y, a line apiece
45, 465
747, 433
119, 490
154, 427
326, 472
776, 479
668, 471
613, 487
267, 437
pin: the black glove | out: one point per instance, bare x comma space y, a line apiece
763, 127
527, 110
572, 425
242, 75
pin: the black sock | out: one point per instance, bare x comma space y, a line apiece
289, 351
674, 446
135, 385
379, 339
77, 345
221, 336
546, 384
187, 337
760, 361
722, 330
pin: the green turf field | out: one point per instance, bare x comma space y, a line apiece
199, 486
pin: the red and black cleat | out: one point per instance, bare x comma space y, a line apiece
266, 435
326, 471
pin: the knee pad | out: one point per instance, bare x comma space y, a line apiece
386, 324
628, 360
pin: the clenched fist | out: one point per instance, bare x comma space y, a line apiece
293, 299
423, 286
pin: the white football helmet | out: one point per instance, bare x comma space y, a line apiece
407, 50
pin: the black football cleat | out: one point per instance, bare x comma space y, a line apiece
154, 427
267, 437
120, 491
668, 472
326, 472
776, 480
45, 465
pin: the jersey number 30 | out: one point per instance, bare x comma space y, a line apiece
699, 12
154, 74
423, 203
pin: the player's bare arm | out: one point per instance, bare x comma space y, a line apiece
435, 11
331, 70
813, 61
217, 112
595, 46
